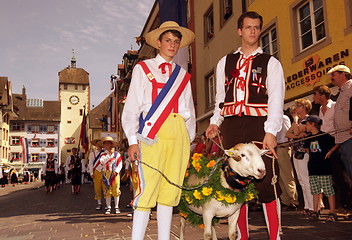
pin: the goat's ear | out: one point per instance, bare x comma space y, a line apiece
232, 153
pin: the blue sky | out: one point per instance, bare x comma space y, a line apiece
37, 38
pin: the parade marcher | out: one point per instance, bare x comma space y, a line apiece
2, 174
110, 162
95, 168
62, 174
341, 77
164, 124
14, 177
50, 172
289, 195
75, 164
250, 91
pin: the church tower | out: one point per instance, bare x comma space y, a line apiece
74, 95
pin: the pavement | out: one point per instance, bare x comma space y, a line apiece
27, 212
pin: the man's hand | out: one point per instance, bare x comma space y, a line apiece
269, 142
212, 131
133, 152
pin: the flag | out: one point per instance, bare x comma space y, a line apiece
173, 10
112, 120
84, 136
176, 10
24, 146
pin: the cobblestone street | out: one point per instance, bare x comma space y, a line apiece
27, 212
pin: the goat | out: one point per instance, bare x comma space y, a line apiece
245, 160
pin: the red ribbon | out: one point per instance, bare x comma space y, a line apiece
163, 65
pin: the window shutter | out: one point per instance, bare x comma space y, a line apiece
44, 128
55, 156
56, 128
42, 142
55, 142
22, 126
29, 127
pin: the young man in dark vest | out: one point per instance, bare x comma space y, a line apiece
249, 104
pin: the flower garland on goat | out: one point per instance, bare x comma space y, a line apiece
201, 166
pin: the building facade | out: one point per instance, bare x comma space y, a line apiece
34, 133
74, 96
6, 113
309, 37
215, 26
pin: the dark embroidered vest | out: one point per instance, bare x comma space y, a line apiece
254, 84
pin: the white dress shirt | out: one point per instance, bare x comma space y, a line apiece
286, 124
139, 99
275, 85
328, 117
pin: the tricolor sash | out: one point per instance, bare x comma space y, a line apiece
163, 104
96, 162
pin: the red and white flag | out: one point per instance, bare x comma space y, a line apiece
24, 146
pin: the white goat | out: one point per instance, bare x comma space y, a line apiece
245, 160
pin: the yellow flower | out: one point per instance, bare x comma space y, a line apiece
211, 164
218, 196
230, 199
207, 191
183, 215
197, 156
250, 196
201, 226
197, 195
196, 166
189, 200
186, 174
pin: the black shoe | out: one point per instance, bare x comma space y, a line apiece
99, 207
292, 207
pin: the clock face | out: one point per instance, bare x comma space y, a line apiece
74, 100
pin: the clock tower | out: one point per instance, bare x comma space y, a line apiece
74, 95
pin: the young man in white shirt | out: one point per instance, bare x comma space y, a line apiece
159, 122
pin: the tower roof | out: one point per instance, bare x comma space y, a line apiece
74, 76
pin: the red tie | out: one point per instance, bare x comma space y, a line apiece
163, 65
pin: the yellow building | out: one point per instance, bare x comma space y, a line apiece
216, 36
6, 113
307, 36
311, 36
74, 95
